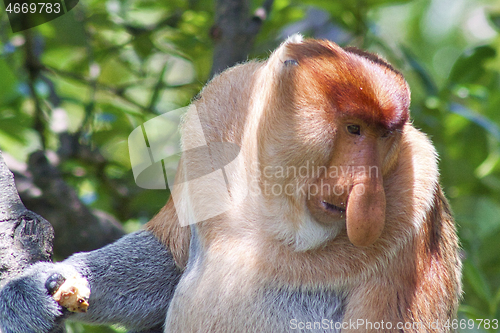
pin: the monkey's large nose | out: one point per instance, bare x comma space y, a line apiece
365, 213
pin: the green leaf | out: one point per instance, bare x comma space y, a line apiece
477, 281
495, 19
422, 73
8, 83
143, 45
471, 311
469, 67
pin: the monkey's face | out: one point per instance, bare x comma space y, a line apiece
334, 126
351, 187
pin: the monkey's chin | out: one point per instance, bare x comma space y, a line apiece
320, 225
324, 221
313, 234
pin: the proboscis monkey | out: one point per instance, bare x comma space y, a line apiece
331, 217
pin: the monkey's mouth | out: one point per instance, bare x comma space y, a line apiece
333, 208
326, 212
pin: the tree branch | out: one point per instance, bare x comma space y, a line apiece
234, 31
78, 228
25, 237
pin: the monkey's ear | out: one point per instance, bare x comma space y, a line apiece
293, 39
281, 56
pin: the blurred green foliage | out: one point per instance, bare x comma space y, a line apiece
111, 65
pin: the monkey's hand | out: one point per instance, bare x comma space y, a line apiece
72, 294
27, 304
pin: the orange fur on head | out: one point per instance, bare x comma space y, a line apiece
341, 78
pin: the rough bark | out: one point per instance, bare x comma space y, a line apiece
25, 237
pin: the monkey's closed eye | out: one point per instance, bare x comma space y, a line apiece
354, 129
